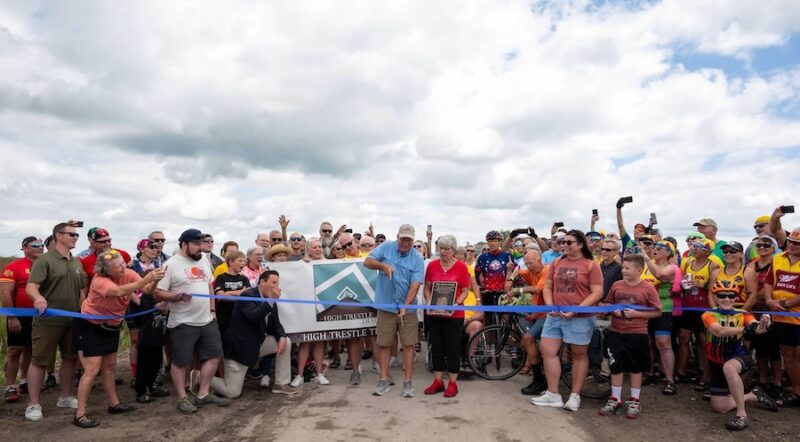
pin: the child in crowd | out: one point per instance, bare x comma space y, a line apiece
628, 341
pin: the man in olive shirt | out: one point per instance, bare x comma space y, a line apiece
56, 281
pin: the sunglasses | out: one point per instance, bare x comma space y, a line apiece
71, 234
646, 243
418, 246
699, 247
295, 239
568, 242
607, 250
764, 246
346, 245
158, 240
276, 239
36, 245
492, 240
366, 246
793, 242
337, 249
729, 251
470, 250
663, 247
760, 226
726, 295
690, 239
326, 231
152, 247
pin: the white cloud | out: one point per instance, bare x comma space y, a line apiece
464, 115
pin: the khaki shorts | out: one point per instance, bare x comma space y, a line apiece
389, 324
45, 339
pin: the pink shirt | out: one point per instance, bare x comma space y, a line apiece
97, 303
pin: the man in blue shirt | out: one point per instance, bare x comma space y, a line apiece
400, 275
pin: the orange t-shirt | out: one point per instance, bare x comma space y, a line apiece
536, 280
97, 303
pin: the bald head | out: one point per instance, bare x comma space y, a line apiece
533, 260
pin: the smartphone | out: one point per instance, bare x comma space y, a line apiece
787, 209
80, 223
430, 229
653, 219
559, 224
594, 212
348, 230
626, 200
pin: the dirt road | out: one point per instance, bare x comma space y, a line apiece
482, 411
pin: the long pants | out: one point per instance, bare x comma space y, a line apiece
148, 364
231, 385
444, 335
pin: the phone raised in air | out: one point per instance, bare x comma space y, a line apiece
558, 224
626, 200
594, 212
787, 209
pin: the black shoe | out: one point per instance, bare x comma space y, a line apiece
144, 399
159, 392
119, 381
534, 388
366, 354
50, 381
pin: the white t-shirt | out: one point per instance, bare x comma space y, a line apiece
184, 275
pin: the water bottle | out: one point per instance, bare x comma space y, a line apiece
685, 282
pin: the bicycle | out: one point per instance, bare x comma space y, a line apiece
597, 384
496, 351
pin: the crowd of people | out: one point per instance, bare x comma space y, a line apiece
732, 310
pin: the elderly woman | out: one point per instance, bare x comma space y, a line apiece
574, 279
97, 340
313, 252
337, 251
255, 255
447, 282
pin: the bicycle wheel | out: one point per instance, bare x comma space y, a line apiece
496, 352
596, 385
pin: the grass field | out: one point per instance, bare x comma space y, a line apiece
124, 340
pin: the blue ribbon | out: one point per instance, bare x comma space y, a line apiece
54, 312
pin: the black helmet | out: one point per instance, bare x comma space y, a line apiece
494, 234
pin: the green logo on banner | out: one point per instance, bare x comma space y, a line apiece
344, 282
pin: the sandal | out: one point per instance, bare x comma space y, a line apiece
738, 423
669, 389
763, 400
700, 386
120, 408
789, 401
348, 365
84, 422
335, 363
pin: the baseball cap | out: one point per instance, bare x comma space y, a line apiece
795, 235
668, 245
28, 240
639, 226
706, 243
98, 234
761, 220
733, 245
380, 236
594, 235
706, 222
406, 231
768, 238
191, 235
696, 235
142, 244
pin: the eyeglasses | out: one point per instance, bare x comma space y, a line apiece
607, 250
568, 242
276, 239
760, 226
726, 295
764, 246
158, 240
326, 231
71, 234
296, 239
36, 245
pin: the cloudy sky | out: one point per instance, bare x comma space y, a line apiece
468, 115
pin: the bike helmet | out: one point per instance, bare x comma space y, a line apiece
494, 234
726, 286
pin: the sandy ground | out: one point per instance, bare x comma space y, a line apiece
482, 411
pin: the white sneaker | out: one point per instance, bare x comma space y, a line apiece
265, 381
394, 362
297, 381
322, 380
67, 402
573, 403
375, 367
548, 400
34, 413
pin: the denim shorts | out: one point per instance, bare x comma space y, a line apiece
576, 331
536, 328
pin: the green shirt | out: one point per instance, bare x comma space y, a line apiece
60, 280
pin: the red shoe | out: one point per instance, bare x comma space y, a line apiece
452, 389
11, 395
435, 387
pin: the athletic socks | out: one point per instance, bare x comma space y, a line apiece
635, 392
616, 392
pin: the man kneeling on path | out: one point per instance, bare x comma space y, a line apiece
256, 331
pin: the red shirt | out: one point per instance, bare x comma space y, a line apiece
89, 261
643, 293
17, 272
458, 274
572, 280
97, 303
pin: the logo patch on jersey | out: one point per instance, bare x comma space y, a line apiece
8, 274
495, 265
